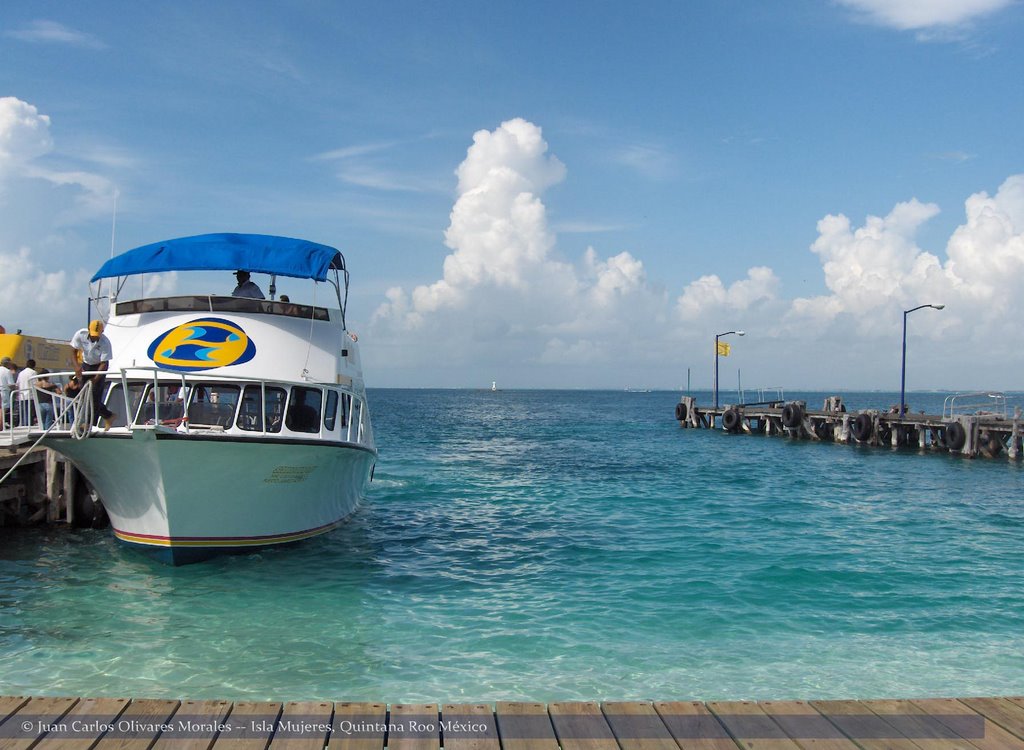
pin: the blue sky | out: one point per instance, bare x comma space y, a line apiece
643, 177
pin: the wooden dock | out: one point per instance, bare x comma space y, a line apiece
140, 724
967, 433
38, 490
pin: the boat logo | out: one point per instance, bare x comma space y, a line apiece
202, 344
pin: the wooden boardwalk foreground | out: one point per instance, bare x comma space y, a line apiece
124, 724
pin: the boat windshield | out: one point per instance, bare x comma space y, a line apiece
209, 303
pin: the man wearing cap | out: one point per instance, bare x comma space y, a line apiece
245, 287
92, 349
8, 379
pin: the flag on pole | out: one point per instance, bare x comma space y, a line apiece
723, 349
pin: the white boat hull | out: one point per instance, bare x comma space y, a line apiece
186, 498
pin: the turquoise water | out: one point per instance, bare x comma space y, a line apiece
559, 545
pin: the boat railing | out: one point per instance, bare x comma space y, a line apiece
136, 398
978, 403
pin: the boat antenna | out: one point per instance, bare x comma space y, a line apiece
113, 222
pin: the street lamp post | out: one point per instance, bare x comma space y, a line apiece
903, 368
718, 336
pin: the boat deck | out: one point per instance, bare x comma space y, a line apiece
43, 723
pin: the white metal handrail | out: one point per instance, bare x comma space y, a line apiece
981, 403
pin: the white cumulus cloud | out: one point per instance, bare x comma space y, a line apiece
24, 136
924, 14
508, 304
504, 293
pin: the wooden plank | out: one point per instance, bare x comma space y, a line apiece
863, 726
303, 725
1006, 712
984, 734
580, 725
414, 726
359, 726
693, 726
751, 727
469, 726
83, 726
9, 704
804, 725
139, 725
525, 726
917, 726
637, 726
195, 726
32, 721
251, 723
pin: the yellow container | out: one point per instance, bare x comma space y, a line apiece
53, 354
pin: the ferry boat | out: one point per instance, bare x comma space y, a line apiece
238, 423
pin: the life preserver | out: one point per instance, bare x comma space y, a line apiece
956, 436
862, 427
731, 420
681, 411
792, 415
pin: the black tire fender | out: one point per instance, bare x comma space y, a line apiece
731, 420
862, 427
681, 411
824, 430
956, 436
792, 415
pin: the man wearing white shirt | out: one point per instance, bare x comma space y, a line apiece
7, 385
93, 350
24, 397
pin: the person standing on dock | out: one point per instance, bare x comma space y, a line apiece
8, 372
25, 415
93, 349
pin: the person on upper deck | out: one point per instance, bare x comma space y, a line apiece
245, 287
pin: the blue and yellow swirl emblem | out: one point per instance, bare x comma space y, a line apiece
202, 344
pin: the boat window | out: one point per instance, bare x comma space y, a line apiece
213, 405
251, 417
357, 407
167, 400
201, 303
304, 410
274, 408
115, 402
331, 410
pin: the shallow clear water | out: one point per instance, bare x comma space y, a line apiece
555, 545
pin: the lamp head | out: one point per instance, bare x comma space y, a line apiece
741, 333
939, 307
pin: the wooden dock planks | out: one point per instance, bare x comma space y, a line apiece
358, 726
48, 723
637, 726
525, 726
469, 726
252, 725
414, 726
693, 726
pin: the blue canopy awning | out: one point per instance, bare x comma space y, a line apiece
256, 253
